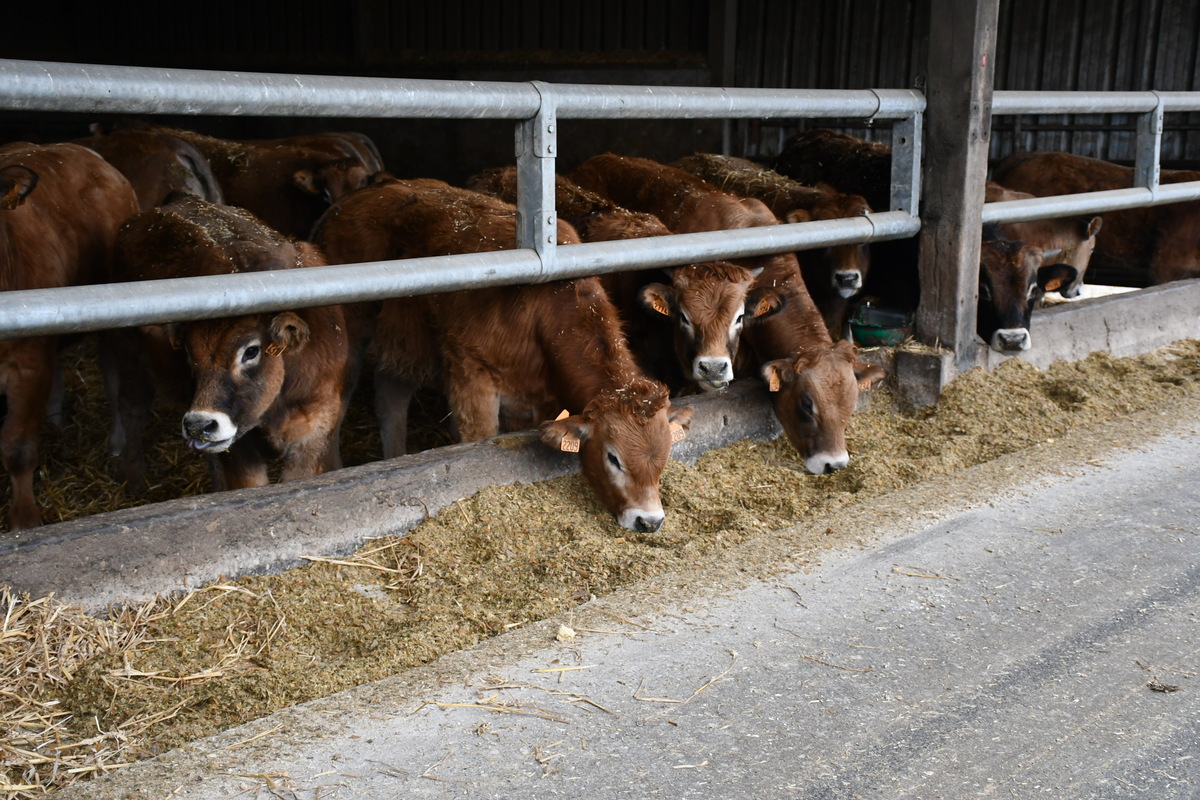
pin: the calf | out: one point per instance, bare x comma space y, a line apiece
701, 311
288, 183
1158, 244
1011, 280
547, 346
790, 327
1072, 238
833, 274
263, 385
156, 163
60, 209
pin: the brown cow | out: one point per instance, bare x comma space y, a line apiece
156, 163
796, 330
1013, 279
547, 346
702, 311
1010, 285
288, 183
1069, 240
1161, 243
60, 210
265, 385
832, 274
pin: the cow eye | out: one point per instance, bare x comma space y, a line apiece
250, 353
612, 459
807, 407
739, 319
683, 317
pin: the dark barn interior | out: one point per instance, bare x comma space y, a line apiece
1100, 45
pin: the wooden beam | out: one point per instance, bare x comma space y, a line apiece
957, 131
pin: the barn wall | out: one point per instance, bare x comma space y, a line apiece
1084, 45
1071, 45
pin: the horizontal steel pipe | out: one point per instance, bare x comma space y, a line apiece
1012, 102
78, 309
49, 86
1069, 205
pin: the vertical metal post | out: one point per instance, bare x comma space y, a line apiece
906, 165
537, 148
957, 124
1149, 147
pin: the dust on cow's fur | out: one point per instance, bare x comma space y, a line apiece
514, 554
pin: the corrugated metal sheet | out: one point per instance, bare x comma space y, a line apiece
1083, 45
1073, 45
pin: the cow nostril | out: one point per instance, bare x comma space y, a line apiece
211, 427
644, 525
830, 468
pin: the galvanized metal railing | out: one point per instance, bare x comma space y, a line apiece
44, 86
1146, 191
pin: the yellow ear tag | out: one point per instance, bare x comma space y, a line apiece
661, 307
1054, 285
275, 349
864, 385
677, 432
773, 383
562, 415
569, 443
764, 305
12, 199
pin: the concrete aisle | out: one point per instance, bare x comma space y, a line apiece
1007, 650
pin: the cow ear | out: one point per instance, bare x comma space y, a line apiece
16, 183
306, 181
763, 302
659, 298
1093, 227
776, 373
565, 433
868, 374
1054, 277
288, 331
680, 419
798, 215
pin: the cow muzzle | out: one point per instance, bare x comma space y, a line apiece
848, 282
208, 431
641, 520
1011, 340
826, 463
712, 373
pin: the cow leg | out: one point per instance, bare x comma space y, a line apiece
58, 393
125, 366
29, 386
393, 394
475, 403
240, 467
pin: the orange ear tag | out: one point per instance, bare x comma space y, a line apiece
773, 383
661, 307
677, 432
275, 349
864, 385
569, 443
763, 307
1054, 285
562, 415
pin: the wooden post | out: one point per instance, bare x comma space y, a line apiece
962, 46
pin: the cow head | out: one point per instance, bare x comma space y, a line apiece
814, 394
238, 368
708, 305
846, 264
1013, 277
623, 438
333, 180
1078, 255
16, 183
